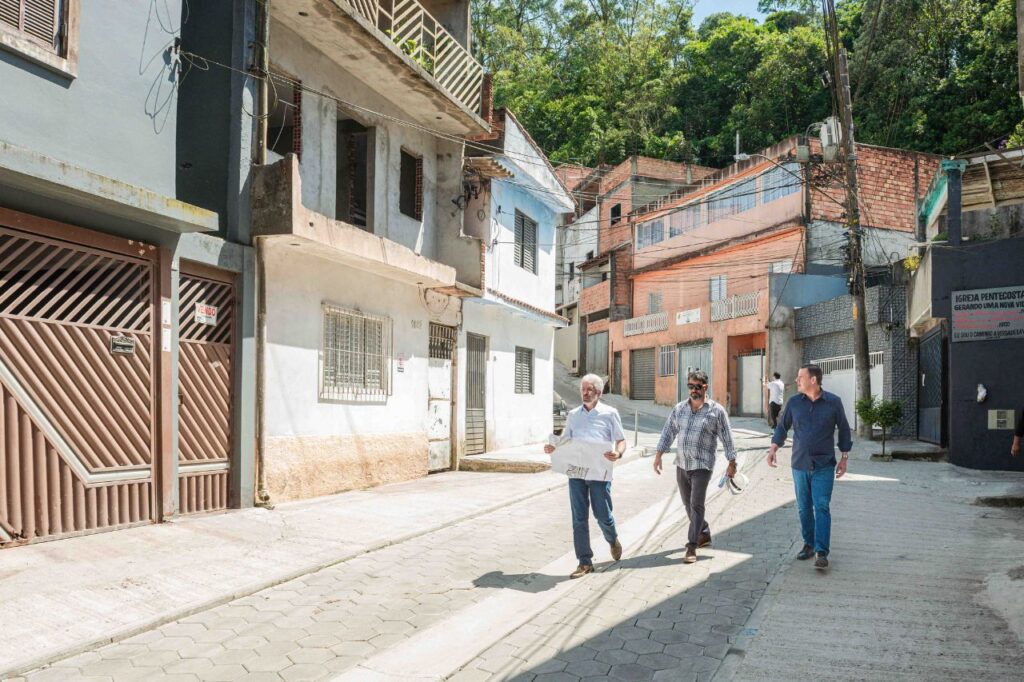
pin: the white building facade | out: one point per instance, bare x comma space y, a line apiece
506, 351
358, 230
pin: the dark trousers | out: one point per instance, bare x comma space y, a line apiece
693, 488
773, 414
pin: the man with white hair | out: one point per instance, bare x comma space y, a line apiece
593, 421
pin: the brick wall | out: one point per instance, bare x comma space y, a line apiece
622, 289
611, 235
826, 330
885, 182
595, 298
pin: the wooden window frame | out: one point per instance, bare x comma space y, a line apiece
61, 58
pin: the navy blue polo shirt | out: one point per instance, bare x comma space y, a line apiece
814, 424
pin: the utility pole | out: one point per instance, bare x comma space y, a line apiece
1020, 49
861, 357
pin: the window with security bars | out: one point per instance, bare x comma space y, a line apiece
782, 266
653, 302
524, 370
525, 242
39, 21
356, 354
666, 361
442, 341
718, 284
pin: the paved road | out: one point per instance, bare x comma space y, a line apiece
325, 623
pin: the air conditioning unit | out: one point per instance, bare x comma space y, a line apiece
830, 138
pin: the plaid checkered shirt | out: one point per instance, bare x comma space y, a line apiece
698, 433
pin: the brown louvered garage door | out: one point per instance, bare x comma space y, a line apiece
641, 374
206, 305
77, 381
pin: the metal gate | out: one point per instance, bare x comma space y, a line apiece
597, 354
476, 394
439, 396
693, 357
616, 382
206, 324
77, 382
931, 391
750, 384
641, 374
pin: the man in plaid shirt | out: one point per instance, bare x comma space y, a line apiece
699, 423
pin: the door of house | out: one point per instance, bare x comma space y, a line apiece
641, 374
597, 354
616, 386
439, 396
750, 370
206, 328
78, 359
931, 388
693, 357
476, 394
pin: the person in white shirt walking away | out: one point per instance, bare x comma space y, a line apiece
699, 423
595, 421
776, 391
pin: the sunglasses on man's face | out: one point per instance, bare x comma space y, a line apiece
695, 387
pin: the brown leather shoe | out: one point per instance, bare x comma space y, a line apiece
616, 550
582, 570
691, 554
704, 540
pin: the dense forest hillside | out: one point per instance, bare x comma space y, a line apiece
597, 80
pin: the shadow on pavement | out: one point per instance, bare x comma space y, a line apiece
523, 582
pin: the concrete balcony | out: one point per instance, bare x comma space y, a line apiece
735, 306
646, 324
402, 51
278, 214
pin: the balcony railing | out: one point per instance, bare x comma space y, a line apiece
655, 322
422, 37
734, 306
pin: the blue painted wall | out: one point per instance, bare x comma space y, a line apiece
118, 117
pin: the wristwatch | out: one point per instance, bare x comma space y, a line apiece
845, 455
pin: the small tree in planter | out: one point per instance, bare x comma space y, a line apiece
885, 413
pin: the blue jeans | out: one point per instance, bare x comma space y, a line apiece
813, 495
598, 495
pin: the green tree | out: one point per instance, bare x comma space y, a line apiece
883, 413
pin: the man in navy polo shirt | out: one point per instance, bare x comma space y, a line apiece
595, 421
814, 416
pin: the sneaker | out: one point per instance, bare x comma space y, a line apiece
806, 553
582, 570
691, 554
821, 563
704, 540
616, 550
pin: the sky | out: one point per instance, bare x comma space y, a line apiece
702, 8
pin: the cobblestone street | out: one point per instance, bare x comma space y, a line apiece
488, 598
328, 621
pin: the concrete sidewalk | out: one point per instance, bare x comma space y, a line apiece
62, 597
925, 584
